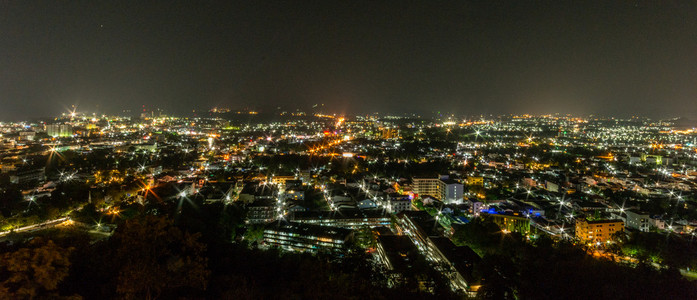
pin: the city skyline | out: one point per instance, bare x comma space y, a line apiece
405, 207
250, 115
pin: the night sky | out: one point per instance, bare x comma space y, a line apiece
355, 57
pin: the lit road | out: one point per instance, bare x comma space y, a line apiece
43, 225
280, 205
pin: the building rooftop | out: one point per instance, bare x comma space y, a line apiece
334, 233
339, 214
603, 221
399, 250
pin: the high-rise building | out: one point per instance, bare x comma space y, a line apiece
427, 186
59, 130
443, 189
452, 191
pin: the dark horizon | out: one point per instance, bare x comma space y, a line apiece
355, 57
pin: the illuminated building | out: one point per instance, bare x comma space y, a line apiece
4, 168
418, 225
427, 186
456, 263
293, 194
59, 130
38, 175
652, 159
397, 203
443, 189
347, 218
281, 179
307, 238
451, 191
638, 220
27, 135
261, 211
396, 252
599, 231
389, 133
513, 222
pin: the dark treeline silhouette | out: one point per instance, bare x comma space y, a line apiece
515, 268
188, 250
